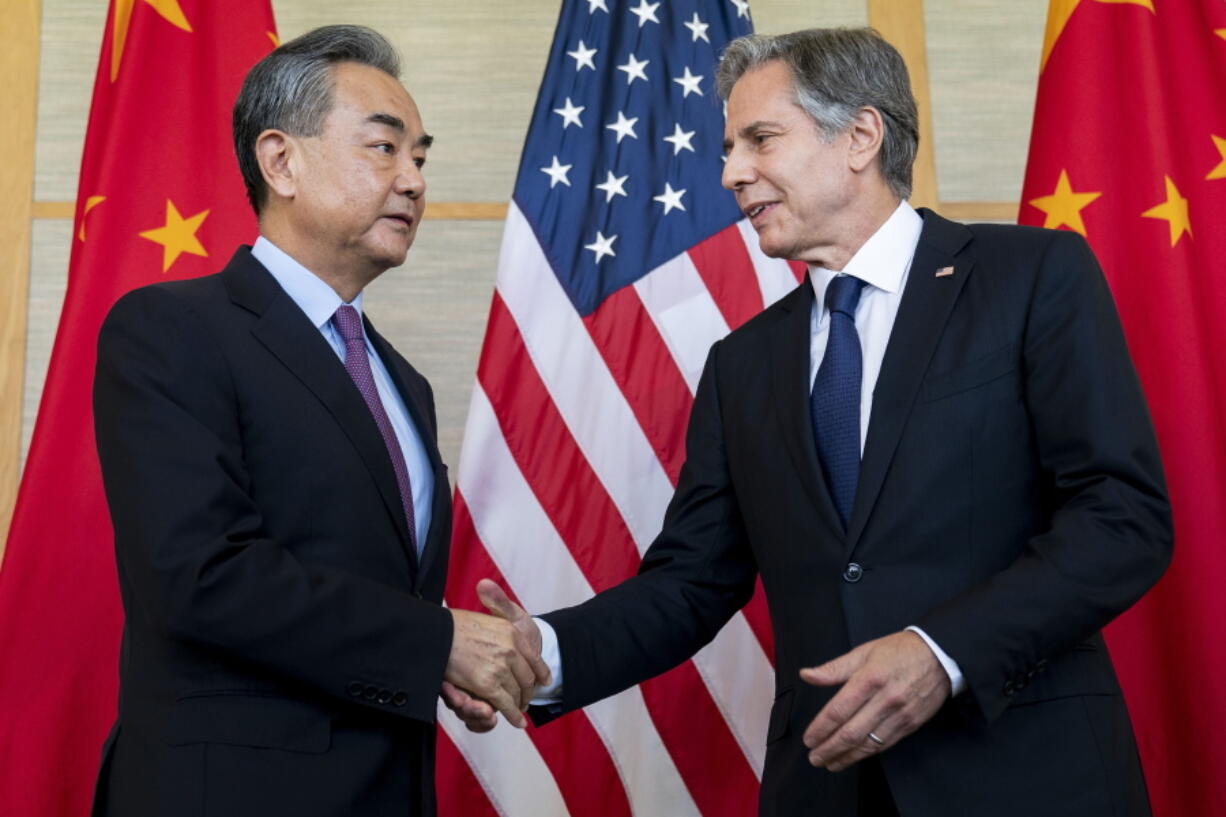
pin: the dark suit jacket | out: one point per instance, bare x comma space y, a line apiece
1010, 502
282, 650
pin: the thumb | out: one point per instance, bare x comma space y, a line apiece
836, 670
498, 602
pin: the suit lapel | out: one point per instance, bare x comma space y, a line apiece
926, 305
789, 360
287, 333
418, 405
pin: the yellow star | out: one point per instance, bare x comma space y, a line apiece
1174, 210
1221, 32
1218, 172
178, 236
168, 9
1063, 207
90, 204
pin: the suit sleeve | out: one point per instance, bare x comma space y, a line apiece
695, 576
1110, 534
196, 562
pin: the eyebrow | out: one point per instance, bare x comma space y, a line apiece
749, 129
397, 124
394, 122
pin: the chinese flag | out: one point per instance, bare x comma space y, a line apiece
160, 197
1129, 149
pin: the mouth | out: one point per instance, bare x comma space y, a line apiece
400, 218
757, 211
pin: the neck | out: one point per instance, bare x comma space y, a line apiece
346, 277
860, 221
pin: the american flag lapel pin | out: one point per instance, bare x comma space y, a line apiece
945, 272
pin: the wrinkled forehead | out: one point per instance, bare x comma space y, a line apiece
763, 94
365, 93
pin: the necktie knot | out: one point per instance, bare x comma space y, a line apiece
842, 295
349, 322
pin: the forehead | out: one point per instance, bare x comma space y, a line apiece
764, 92
361, 91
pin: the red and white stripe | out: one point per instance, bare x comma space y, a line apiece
574, 441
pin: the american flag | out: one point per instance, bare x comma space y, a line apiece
622, 261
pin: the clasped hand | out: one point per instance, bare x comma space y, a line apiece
495, 662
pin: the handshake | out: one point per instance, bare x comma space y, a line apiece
495, 662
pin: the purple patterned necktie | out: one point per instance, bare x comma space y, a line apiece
349, 323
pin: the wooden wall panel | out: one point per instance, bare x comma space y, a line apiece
901, 22
19, 20
983, 60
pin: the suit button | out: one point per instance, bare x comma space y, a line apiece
400, 699
1010, 687
417, 594
354, 689
385, 696
370, 693
853, 573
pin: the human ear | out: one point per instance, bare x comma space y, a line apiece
275, 152
867, 131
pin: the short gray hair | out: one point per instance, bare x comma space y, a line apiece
291, 90
836, 72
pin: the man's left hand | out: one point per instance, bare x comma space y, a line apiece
891, 687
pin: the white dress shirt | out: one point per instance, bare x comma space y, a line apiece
319, 301
882, 263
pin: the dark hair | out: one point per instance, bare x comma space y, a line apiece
836, 72
291, 90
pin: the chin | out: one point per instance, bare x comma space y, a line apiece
392, 254
775, 249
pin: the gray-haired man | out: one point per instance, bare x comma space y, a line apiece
281, 513
936, 455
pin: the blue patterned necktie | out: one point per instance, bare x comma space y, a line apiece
834, 403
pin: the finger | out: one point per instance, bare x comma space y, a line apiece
853, 744
498, 602
466, 705
525, 642
477, 715
453, 696
837, 670
850, 742
838, 710
525, 678
507, 702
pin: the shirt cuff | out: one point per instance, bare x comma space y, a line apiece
552, 694
957, 683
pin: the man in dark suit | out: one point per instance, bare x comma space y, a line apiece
937, 456
281, 513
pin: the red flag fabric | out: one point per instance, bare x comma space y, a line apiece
160, 197
1129, 149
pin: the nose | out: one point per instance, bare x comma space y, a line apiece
738, 170
410, 181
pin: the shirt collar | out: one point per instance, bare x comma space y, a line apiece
883, 260
314, 297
